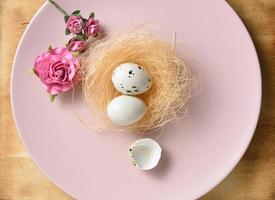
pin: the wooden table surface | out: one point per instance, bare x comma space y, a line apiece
252, 179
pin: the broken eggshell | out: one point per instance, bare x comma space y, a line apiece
145, 153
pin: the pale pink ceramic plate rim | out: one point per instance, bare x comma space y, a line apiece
237, 159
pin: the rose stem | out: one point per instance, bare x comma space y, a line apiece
58, 7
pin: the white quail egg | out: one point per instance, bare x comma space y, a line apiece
126, 110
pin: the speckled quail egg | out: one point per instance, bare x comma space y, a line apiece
131, 79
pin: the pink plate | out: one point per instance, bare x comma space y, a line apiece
199, 151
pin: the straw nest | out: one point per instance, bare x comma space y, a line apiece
166, 100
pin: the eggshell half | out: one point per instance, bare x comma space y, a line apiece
145, 153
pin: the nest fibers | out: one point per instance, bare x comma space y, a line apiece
171, 79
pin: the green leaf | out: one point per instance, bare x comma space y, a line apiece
75, 54
52, 97
67, 32
84, 22
76, 12
50, 48
80, 37
33, 71
92, 15
66, 17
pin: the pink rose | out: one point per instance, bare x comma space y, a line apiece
75, 45
75, 24
57, 69
91, 27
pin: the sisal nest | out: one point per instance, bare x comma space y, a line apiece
171, 79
